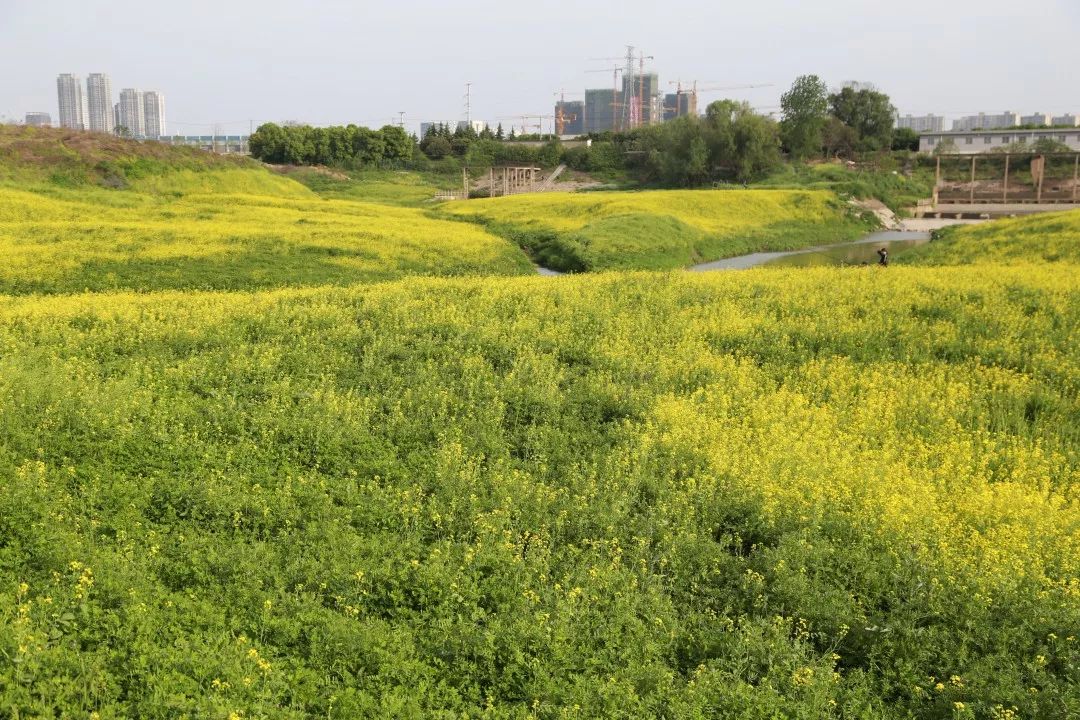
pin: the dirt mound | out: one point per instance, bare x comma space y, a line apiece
99, 158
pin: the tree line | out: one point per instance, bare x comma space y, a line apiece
731, 142
339, 145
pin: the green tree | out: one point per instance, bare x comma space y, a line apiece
905, 139
744, 146
397, 144
267, 143
839, 140
499, 134
805, 108
869, 113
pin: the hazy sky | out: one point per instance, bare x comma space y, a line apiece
235, 61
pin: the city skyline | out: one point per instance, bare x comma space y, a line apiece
259, 63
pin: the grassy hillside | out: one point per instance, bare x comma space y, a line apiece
803, 493
898, 191
96, 213
660, 229
404, 188
1046, 237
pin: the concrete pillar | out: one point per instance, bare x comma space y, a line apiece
1076, 175
971, 197
1005, 191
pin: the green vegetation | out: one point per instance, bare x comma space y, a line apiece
1042, 238
406, 188
661, 229
204, 223
352, 145
797, 493
815, 493
895, 189
805, 109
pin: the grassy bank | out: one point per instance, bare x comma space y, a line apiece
895, 190
1043, 237
660, 229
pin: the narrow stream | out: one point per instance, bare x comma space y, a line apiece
858, 252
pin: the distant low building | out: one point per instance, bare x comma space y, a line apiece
922, 123
220, 144
38, 119
426, 127
974, 142
477, 125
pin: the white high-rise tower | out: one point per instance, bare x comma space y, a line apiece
131, 113
72, 104
154, 114
99, 116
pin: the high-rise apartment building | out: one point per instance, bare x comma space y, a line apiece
922, 123
1068, 120
154, 114
1040, 119
982, 121
131, 113
72, 103
99, 103
38, 119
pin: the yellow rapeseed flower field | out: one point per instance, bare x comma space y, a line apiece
226, 229
610, 492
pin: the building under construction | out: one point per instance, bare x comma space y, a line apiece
570, 117
679, 104
601, 107
606, 109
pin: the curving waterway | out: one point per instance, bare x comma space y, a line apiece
857, 252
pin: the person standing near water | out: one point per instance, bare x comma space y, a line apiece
883, 257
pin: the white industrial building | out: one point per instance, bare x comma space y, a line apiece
969, 143
99, 103
72, 102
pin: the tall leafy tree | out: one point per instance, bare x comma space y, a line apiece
868, 112
805, 108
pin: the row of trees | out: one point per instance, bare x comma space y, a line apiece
852, 120
340, 145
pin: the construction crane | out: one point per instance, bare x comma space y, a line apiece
692, 91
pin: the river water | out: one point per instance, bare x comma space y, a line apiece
858, 252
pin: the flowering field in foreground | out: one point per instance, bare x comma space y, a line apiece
662, 229
800, 493
225, 229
